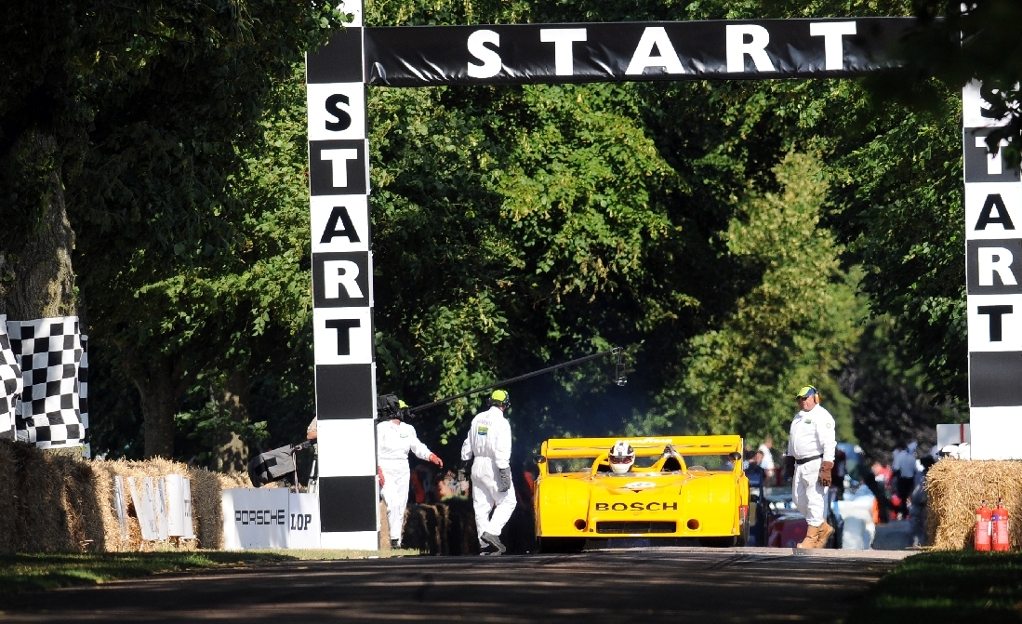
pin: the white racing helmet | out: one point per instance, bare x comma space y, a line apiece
621, 457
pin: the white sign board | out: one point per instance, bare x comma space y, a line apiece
147, 496
179, 506
303, 521
255, 518
270, 518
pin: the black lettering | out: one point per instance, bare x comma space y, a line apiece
636, 506
301, 522
994, 211
333, 107
995, 312
260, 516
347, 230
343, 327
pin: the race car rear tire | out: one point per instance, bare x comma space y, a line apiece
560, 544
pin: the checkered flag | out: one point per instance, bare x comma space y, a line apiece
83, 394
50, 352
10, 382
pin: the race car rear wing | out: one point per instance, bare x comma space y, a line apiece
564, 448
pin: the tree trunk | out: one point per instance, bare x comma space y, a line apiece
36, 277
159, 387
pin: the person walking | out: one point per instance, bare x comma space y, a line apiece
488, 446
395, 439
810, 461
904, 466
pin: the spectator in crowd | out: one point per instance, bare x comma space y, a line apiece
754, 471
917, 519
767, 464
878, 479
904, 467
493, 494
395, 439
810, 461
840, 470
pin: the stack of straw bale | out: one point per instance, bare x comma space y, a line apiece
49, 502
62, 502
956, 488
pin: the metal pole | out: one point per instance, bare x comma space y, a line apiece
504, 382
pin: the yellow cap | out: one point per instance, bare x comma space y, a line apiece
806, 391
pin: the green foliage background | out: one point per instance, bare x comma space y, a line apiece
739, 239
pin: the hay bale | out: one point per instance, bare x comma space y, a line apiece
384, 534
445, 528
50, 499
957, 487
79, 499
461, 529
40, 522
207, 514
8, 494
58, 501
423, 529
206, 488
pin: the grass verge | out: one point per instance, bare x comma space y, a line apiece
26, 573
950, 587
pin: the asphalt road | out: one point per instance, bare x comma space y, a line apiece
673, 584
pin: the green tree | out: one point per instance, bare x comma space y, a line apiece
798, 325
961, 41
128, 123
513, 228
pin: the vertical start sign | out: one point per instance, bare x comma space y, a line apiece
342, 289
993, 248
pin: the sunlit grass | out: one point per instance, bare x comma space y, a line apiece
947, 587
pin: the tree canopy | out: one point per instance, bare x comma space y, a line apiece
739, 239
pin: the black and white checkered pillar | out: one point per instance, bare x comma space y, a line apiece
993, 216
11, 384
49, 352
342, 290
83, 395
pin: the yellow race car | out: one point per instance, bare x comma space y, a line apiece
674, 487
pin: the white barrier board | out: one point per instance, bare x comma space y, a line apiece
270, 518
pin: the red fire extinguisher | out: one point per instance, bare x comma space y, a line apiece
981, 540
999, 528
